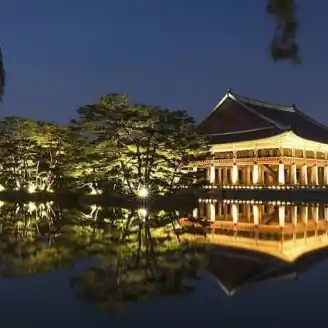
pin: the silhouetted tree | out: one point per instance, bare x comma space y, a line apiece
283, 45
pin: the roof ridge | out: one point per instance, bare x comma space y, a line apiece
309, 118
261, 102
277, 124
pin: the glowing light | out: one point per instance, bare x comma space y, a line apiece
325, 175
282, 216
281, 174
256, 214
31, 189
212, 174
315, 174
212, 212
143, 212
293, 174
234, 174
143, 192
31, 206
305, 214
315, 214
235, 213
255, 174
304, 174
2, 188
326, 213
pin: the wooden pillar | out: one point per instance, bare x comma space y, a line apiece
225, 175
255, 175
325, 175
212, 174
248, 176
262, 181
281, 174
304, 175
212, 212
293, 174
314, 175
234, 174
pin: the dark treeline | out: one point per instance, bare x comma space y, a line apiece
111, 146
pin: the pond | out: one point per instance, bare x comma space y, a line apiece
229, 262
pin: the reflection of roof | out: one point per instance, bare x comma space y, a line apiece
239, 118
234, 270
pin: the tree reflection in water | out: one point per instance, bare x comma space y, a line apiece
140, 255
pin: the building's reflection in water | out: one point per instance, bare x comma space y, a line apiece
254, 241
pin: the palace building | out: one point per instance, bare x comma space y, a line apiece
254, 143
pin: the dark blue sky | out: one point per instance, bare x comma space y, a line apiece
185, 54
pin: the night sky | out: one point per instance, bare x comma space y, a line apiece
182, 54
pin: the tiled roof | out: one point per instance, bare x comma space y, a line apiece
299, 123
283, 118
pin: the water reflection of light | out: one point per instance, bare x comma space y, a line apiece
282, 216
31, 189
143, 212
235, 213
31, 206
256, 214
281, 228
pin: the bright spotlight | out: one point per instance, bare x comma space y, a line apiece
143, 192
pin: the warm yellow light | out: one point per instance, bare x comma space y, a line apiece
294, 215
31, 206
315, 175
281, 174
281, 216
212, 174
212, 212
256, 214
31, 189
305, 214
255, 174
234, 174
325, 175
315, 213
2, 188
235, 213
326, 213
143, 192
143, 212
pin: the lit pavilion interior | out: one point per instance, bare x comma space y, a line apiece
255, 143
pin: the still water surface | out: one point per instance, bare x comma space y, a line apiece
238, 263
